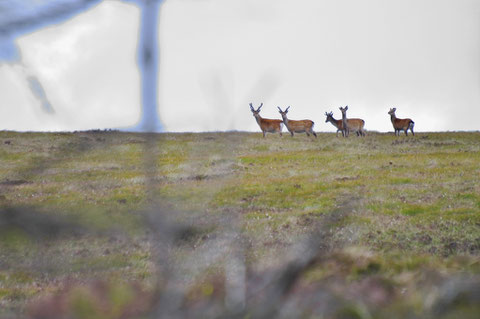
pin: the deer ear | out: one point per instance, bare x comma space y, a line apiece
346, 107
279, 109
287, 109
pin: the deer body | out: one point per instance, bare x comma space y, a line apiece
355, 125
300, 126
266, 125
401, 124
345, 132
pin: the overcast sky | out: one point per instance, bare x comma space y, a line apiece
216, 56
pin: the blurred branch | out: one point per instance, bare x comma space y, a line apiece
13, 22
265, 301
457, 293
38, 225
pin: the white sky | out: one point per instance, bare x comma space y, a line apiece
420, 56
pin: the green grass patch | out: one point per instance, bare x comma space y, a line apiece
413, 210
400, 181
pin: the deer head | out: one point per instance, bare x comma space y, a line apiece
255, 113
329, 116
283, 113
392, 111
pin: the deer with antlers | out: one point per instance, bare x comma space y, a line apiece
347, 125
337, 123
301, 126
401, 124
266, 125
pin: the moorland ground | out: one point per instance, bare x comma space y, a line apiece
406, 216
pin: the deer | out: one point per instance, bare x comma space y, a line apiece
344, 121
301, 126
266, 125
401, 124
337, 123
348, 125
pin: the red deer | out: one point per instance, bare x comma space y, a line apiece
347, 125
266, 125
302, 126
401, 124
337, 123
344, 121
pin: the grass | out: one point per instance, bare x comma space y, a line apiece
415, 206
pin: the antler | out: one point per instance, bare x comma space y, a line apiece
260, 107
251, 107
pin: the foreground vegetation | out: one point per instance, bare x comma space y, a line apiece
395, 222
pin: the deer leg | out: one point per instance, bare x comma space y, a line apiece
263, 134
411, 129
291, 133
406, 132
314, 134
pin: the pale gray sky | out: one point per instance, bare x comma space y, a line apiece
420, 56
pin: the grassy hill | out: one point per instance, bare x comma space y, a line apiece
237, 224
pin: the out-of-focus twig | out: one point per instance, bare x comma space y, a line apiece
13, 22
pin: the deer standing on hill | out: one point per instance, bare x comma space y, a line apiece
266, 125
302, 126
401, 124
355, 125
339, 123
344, 121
